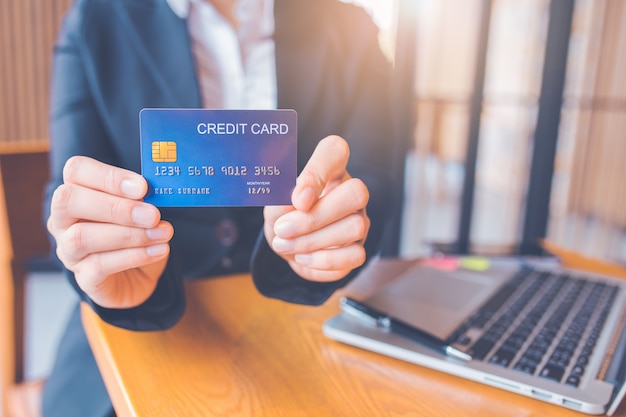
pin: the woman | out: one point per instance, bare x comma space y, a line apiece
128, 259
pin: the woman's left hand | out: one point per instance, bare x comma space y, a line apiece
321, 235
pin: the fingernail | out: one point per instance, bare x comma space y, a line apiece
157, 250
285, 229
158, 233
131, 188
303, 259
305, 199
144, 216
283, 245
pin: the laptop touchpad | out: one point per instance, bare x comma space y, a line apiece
433, 300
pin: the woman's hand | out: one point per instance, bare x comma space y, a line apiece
115, 244
322, 233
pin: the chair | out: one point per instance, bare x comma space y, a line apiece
23, 174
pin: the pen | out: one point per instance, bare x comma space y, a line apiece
382, 320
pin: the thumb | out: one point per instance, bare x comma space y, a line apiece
326, 166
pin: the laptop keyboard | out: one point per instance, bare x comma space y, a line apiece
539, 323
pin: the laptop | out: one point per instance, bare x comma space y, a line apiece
530, 326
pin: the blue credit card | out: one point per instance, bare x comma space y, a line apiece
201, 158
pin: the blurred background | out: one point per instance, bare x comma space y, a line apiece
511, 117
492, 124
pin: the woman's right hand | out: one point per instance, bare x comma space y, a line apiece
115, 244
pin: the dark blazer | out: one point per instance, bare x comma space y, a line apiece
115, 57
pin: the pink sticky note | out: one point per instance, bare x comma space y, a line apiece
443, 263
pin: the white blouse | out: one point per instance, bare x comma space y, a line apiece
236, 66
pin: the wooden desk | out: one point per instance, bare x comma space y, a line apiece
236, 353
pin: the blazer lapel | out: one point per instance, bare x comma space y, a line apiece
162, 42
309, 70
300, 62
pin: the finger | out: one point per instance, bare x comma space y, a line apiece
97, 266
347, 257
326, 166
344, 259
94, 174
349, 197
71, 203
85, 238
346, 231
270, 215
273, 213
